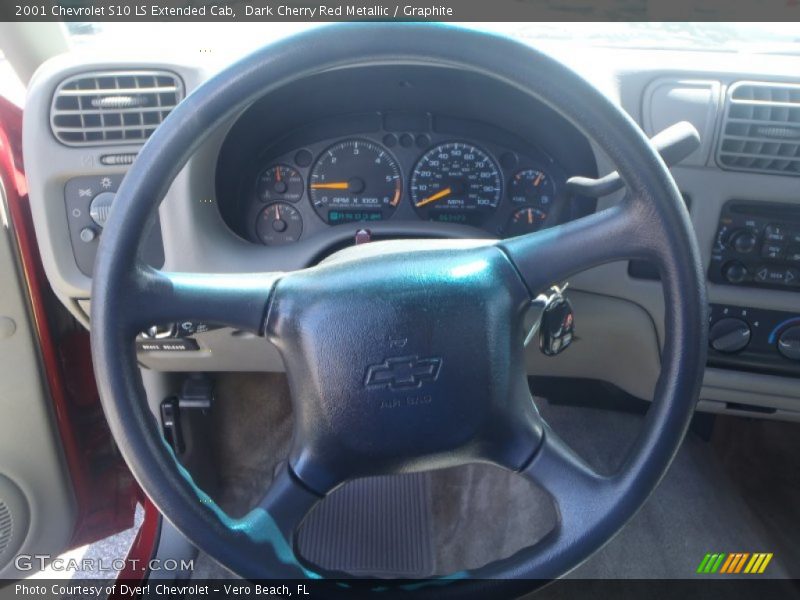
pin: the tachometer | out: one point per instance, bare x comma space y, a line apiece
456, 182
355, 180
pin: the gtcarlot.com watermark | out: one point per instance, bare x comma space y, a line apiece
85, 565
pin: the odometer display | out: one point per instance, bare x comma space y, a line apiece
355, 177
336, 216
456, 182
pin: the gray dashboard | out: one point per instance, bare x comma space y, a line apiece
206, 219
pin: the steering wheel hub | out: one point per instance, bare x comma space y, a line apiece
405, 356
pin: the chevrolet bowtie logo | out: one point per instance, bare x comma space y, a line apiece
403, 372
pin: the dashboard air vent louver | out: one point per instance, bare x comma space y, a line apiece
761, 128
113, 107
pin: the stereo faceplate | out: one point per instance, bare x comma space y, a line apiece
757, 245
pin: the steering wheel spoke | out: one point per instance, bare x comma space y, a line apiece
266, 534
576, 487
550, 256
237, 300
557, 468
285, 505
585, 502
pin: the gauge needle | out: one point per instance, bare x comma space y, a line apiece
438, 195
337, 185
278, 173
538, 180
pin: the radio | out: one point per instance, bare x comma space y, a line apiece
757, 245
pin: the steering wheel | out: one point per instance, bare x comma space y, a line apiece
450, 311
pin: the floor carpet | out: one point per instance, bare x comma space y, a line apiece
480, 513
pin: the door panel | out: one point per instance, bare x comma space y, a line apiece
37, 505
62, 480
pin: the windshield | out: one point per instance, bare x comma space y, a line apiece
220, 43
232, 37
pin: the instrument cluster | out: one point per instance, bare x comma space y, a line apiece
422, 176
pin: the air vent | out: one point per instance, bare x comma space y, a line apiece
761, 130
114, 107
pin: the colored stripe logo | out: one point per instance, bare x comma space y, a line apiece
735, 562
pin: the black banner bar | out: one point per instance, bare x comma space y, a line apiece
398, 10
717, 588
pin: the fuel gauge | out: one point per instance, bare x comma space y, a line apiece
525, 220
532, 186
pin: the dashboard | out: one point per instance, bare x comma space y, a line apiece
398, 167
400, 151
411, 151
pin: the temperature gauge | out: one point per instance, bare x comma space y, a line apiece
525, 220
280, 183
279, 224
531, 186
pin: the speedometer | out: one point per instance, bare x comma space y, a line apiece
456, 182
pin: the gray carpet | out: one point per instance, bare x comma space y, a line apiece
696, 508
481, 513
762, 459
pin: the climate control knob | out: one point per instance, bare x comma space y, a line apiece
789, 343
729, 335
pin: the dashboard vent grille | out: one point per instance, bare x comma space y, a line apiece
761, 128
113, 107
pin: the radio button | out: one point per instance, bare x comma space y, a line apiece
778, 275
793, 254
792, 277
765, 274
775, 233
772, 250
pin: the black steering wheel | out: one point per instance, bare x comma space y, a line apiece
453, 310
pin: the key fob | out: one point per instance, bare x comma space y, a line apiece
557, 326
